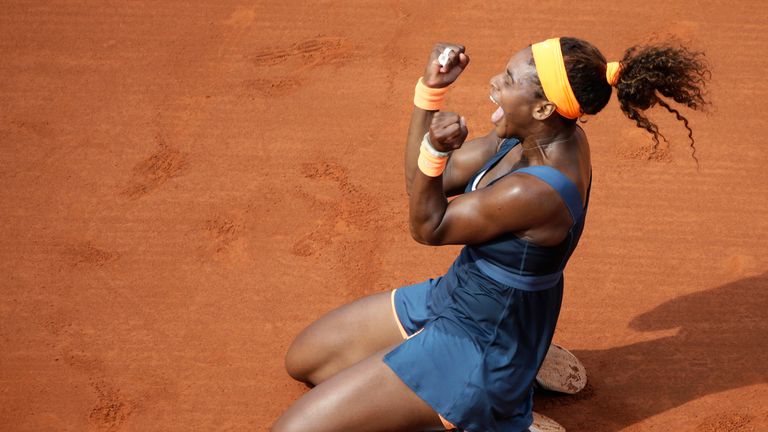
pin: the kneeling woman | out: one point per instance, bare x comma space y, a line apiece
476, 337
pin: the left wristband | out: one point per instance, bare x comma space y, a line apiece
428, 98
429, 164
427, 145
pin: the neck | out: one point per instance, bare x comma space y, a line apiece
547, 138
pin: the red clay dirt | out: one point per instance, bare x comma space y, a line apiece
187, 186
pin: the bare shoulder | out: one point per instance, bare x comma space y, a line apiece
528, 196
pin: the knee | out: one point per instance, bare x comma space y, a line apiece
296, 362
310, 364
306, 360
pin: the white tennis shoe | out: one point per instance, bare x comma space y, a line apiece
561, 372
542, 423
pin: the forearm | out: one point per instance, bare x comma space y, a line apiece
427, 199
420, 121
427, 205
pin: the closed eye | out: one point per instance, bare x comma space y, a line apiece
509, 76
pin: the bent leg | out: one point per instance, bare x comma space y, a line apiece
356, 330
368, 397
343, 337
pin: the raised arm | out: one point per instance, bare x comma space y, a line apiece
467, 159
506, 206
516, 202
435, 76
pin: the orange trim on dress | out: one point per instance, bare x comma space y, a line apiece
417, 332
448, 425
394, 312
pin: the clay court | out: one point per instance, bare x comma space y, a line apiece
187, 186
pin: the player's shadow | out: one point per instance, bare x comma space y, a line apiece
721, 344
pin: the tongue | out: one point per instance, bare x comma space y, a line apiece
497, 115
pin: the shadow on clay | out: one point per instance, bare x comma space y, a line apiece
720, 345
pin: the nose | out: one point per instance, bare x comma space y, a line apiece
495, 80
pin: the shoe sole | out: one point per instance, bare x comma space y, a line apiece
562, 372
542, 423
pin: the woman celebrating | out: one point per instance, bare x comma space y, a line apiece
476, 337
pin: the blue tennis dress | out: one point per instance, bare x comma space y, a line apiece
479, 333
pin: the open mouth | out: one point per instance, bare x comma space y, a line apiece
498, 114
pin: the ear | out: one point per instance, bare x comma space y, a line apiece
543, 109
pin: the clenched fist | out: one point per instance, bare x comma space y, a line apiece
447, 131
438, 76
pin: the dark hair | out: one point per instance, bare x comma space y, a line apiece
648, 72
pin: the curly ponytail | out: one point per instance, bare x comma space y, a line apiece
648, 72
651, 71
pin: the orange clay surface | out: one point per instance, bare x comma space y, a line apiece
187, 186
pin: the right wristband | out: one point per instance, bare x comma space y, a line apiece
428, 98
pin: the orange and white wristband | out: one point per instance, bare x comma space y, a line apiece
428, 98
431, 161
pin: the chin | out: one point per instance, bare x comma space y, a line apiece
501, 132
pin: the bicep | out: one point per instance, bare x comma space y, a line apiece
510, 205
466, 161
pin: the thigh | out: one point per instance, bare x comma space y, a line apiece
342, 337
365, 397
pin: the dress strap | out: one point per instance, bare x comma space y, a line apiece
506, 145
564, 186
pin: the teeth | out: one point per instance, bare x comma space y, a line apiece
492, 99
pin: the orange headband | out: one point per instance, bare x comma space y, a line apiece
551, 69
